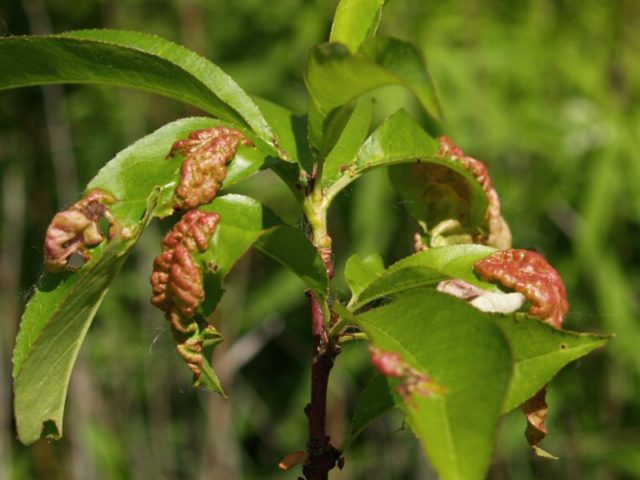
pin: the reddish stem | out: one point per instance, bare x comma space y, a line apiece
322, 456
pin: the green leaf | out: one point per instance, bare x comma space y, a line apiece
336, 77
291, 248
425, 269
406, 63
348, 141
142, 179
376, 399
399, 139
134, 172
209, 378
400, 143
245, 222
291, 139
290, 132
447, 339
361, 270
539, 352
52, 330
129, 59
355, 21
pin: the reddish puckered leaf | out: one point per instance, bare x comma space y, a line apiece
498, 234
142, 183
196, 261
206, 154
75, 229
177, 282
448, 200
529, 273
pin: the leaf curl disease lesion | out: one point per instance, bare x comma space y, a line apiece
530, 274
206, 154
448, 199
414, 382
498, 234
177, 278
73, 231
177, 283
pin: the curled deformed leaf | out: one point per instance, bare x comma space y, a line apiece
445, 202
206, 154
529, 273
202, 258
73, 230
536, 410
142, 183
498, 234
192, 351
177, 282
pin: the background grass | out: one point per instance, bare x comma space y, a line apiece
546, 92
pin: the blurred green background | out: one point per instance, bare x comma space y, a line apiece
547, 92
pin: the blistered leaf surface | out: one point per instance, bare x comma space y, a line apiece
176, 279
205, 155
141, 181
453, 199
529, 273
73, 231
